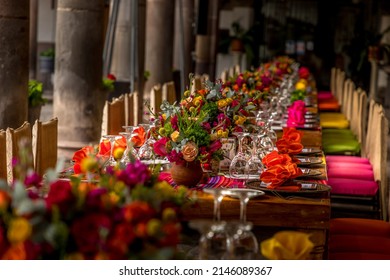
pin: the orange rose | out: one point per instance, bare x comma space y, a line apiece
190, 151
286, 147
291, 134
274, 158
105, 146
82, 153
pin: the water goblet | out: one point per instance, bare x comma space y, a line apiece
145, 152
130, 154
215, 242
255, 165
218, 197
111, 160
244, 242
238, 168
244, 195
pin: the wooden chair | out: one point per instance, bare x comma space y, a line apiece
15, 138
169, 92
45, 144
3, 155
114, 116
156, 97
131, 109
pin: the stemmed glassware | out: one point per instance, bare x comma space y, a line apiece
238, 168
130, 154
245, 245
218, 195
255, 165
111, 160
145, 152
215, 242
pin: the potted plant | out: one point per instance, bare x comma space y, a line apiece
240, 41
46, 61
35, 100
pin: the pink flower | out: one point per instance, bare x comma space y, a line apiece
160, 146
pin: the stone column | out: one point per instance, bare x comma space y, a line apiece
14, 30
188, 40
78, 94
159, 41
33, 39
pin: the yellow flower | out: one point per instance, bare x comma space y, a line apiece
213, 136
240, 120
301, 85
168, 214
19, 230
186, 93
222, 103
229, 100
153, 227
88, 164
118, 153
175, 136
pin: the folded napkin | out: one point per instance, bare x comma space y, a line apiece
287, 245
296, 114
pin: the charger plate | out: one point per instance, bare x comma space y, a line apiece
302, 187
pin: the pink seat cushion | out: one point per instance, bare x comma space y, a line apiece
333, 158
359, 226
352, 187
324, 95
349, 165
351, 173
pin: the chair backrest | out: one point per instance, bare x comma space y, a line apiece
131, 109
15, 138
224, 76
346, 105
362, 121
333, 75
45, 144
114, 116
3, 155
156, 98
340, 85
169, 92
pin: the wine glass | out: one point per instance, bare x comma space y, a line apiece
130, 154
215, 242
244, 195
111, 160
218, 197
145, 152
238, 168
244, 242
255, 165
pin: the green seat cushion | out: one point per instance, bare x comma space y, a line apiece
351, 146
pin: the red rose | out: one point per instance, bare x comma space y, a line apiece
86, 232
60, 194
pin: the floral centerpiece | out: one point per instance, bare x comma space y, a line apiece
127, 214
186, 137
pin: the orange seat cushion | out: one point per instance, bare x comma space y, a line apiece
358, 256
353, 243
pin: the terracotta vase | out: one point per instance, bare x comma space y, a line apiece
188, 174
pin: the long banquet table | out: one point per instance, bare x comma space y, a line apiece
270, 213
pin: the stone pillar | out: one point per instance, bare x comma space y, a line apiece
121, 50
14, 30
78, 94
159, 42
33, 39
186, 28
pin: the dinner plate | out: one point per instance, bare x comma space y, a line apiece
308, 151
305, 187
243, 177
309, 160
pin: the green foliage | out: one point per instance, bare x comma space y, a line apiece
108, 84
35, 93
48, 53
